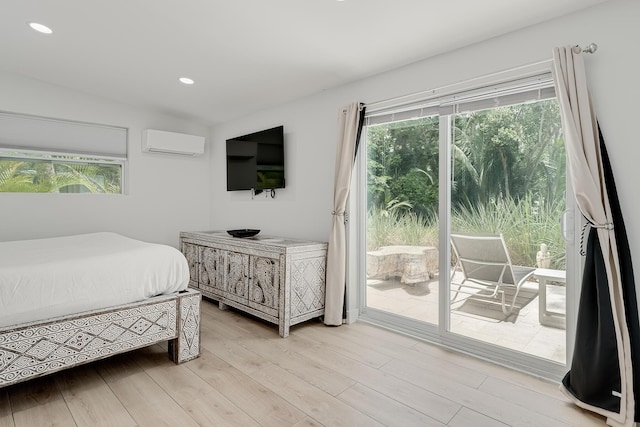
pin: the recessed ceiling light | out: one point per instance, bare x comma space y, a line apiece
186, 80
40, 28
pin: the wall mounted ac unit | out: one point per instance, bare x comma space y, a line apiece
159, 141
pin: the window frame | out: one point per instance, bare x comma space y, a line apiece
52, 157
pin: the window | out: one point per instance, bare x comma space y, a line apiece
43, 155
40, 172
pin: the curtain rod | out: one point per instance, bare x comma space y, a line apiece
591, 48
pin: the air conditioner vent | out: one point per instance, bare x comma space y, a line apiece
159, 141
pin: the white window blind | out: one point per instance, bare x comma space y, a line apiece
51, 135
517, 91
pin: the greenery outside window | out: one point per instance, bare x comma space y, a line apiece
30, 171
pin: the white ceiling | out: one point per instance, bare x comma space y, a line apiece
245, 55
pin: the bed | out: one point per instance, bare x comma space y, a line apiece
70, 300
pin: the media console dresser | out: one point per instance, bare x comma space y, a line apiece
277, 279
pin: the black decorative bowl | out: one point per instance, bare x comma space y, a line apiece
245, 232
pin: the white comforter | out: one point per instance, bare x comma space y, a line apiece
45, 278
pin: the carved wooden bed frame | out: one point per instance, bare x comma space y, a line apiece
35, 349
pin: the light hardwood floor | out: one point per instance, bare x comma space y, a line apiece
353, 375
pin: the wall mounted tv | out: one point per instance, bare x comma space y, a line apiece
256, 161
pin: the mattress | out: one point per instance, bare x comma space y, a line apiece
45, 278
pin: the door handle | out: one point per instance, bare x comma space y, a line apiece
566, 225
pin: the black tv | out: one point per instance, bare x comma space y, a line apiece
256, 161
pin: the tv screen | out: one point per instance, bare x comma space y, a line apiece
256, 161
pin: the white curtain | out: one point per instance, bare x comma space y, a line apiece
587, 173
348, 130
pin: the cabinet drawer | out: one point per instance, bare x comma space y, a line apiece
236, 276
210, 272
264, 284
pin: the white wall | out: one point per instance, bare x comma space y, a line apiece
166, 194
303, 208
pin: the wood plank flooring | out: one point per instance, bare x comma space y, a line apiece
353, 375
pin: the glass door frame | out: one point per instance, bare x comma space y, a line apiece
441, 334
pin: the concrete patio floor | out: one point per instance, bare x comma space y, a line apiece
481, 319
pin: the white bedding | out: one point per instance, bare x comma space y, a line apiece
45, 278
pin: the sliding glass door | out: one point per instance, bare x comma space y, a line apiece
508, 196
488, 174
402, 218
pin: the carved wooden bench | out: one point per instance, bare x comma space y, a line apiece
413, 264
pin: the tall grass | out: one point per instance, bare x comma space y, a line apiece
397, 227
524, 224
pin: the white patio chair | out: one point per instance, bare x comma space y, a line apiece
485, 265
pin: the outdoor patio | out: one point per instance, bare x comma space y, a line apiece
477, 318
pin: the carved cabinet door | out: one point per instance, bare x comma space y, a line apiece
191, 253
210, 271
264, 284
237, 276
